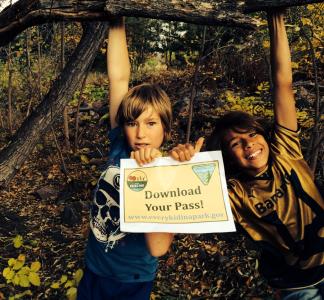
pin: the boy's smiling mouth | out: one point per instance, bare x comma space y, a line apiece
254, 155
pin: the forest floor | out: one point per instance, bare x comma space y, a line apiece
50, 209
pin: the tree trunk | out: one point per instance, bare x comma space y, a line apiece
10, 71
36, 125
39, 66
29, 73
66, 130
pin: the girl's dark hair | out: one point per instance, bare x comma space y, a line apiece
237, 121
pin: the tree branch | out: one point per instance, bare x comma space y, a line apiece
26, 13
258, 5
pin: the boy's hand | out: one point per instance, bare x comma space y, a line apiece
145, 155
184, 152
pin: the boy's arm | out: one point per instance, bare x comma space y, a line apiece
118, 66
284, 103
158, 243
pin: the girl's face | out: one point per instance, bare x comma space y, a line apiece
249, 150
146, 131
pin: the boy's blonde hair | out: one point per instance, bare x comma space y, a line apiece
139, 98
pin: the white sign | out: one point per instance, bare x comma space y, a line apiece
170, 196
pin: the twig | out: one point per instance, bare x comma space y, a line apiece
60, 153
194, 85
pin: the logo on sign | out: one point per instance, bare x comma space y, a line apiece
137, 181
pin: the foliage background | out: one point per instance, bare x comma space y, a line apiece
43, 234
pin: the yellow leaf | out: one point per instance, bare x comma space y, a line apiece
16, 279
266, 44
310, 7
21, 257
63, 278
11, 262
34, 278
294, 65
35, 266
18, 241
68, 284
55, 285
84, 159
24, 271
18, 265
78, 275
71, 293
306, 21
24, 282
206, 5
8, 273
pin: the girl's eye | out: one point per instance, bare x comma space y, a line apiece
252, 134
151, 123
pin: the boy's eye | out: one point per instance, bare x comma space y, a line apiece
252, 134
151, 123
234, 144
131, 124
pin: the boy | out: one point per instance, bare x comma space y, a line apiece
122, 266
271, 188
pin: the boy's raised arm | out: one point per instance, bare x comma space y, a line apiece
118, 66
158, 243
284, 103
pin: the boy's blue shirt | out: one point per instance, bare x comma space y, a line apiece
111, 253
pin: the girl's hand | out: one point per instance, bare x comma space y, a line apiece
184, 152
145, 155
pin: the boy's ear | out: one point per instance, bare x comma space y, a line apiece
167, 136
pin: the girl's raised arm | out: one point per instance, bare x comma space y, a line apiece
284, 103
118, 67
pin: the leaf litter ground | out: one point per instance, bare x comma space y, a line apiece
50, 211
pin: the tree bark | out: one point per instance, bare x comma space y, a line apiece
26, 13
35, 126
257, 5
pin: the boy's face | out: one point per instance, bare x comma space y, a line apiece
146, 131
249, 150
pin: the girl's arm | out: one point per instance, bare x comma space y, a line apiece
284, 102
118, 66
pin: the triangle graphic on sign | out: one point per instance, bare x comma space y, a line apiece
204, 172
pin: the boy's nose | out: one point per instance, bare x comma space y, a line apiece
140, 131
248, 143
